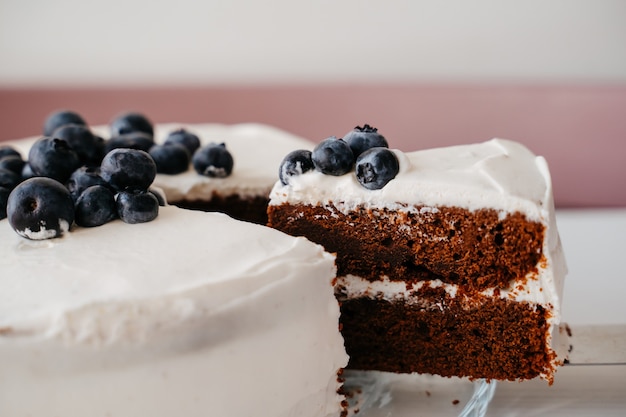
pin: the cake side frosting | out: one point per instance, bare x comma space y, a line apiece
197, 297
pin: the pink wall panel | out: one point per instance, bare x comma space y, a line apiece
580, 129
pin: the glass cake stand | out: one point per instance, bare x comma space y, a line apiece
372, 393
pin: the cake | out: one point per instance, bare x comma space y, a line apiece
257, 150
453, 267
190, 314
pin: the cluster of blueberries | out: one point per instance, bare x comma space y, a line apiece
74, 176
363, 149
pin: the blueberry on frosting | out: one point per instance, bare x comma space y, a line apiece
376, 167
40, 208
333, 156
170, 159
60, 118
363, 138
213, 160
131, 122
95, 206
8, 151
83, 178
54, 158
9, 179
295, 163
82, 141
132, 140
4, 197
181, 136
13, 163
137, 207
128, 169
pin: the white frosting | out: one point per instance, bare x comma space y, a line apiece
498, 174
257, 150
192, 313
488, 174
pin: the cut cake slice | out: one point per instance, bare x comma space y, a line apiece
453, 268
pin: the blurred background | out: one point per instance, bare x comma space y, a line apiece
549, 74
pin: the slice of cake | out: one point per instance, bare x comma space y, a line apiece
191, 314
256, 151
449, 261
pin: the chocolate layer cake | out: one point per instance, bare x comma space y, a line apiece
454, 267
192, 314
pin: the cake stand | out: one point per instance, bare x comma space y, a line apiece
370, 393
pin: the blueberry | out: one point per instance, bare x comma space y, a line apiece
128, 169
40, 208
138, 207
185, 138
6, 150
4, 196
170, 159
376, 167
133, 140
13, 163
332, 156
213, 160
60, 118
82, 141
53, 158
361, 139
158, 193
83, 178
295, 163
9, 179
131, 122
95, 207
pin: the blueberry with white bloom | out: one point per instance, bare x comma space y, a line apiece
128, 169
213, 160
131, 122
4, 197
9, 179
83, 178
137, 207
295, 163
95, 206
6, 150
333, 156
170, 159
60, 118
132, 140
40, 208
82, 141
363, 138
54, 158
13, 163
185, 138
376, 167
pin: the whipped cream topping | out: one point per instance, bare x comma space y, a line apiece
498, 174
257, 150
191, 313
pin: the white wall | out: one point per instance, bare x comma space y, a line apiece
77, 42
